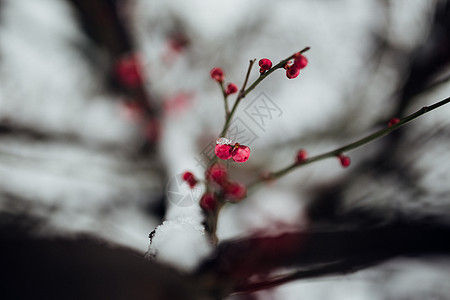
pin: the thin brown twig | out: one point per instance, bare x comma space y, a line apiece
333, 153
238, 99
211, 217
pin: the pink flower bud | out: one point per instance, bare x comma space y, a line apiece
345, 160
235, 190
292, 71
302, 156
217, 74
393, 121
240, 153
190, 179
231, 89
217, 173
128, 71
223, 151
264, 64
208, 202
300, 61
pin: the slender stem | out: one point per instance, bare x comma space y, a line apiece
378, 134
225, 99
238, 99
242, 91
211, 219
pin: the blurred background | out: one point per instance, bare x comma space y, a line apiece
103, 105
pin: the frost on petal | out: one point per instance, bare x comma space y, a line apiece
223, 141
180, 242
241, 153
223, 151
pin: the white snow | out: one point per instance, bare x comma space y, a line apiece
180, 242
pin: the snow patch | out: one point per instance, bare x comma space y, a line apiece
180, 242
